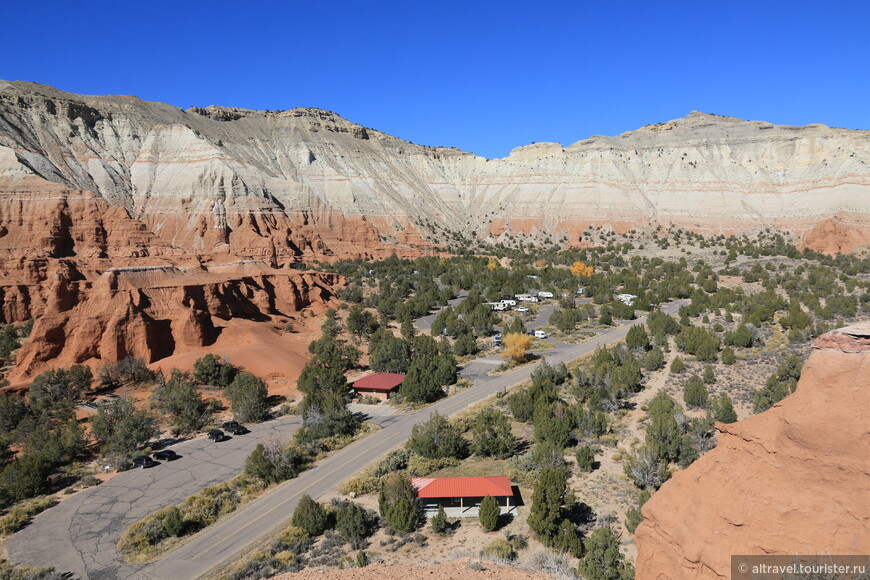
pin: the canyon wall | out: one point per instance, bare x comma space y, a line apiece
791, 480
277, 184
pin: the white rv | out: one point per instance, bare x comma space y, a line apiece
509, 302
545, 294
497, 306
627, 299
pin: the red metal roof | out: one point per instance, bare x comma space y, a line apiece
438, 487
379, 382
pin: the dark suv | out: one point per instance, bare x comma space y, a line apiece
165, 455
234, 427
216, 435
144, 461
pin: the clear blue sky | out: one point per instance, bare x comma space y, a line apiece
482, 76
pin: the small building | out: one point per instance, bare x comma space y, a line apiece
378, 385
461, 496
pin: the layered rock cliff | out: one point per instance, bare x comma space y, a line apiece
279, 184
792, 480
153, 312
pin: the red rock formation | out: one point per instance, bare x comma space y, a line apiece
792, 480
840, 234
159, 311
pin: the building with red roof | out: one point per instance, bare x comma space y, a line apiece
461, 496
378, 385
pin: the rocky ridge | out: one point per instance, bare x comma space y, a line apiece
305, 180
758, 491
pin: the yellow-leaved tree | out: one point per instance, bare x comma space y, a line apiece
516, 346
580, 269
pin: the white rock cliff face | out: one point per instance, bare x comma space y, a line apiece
306, 179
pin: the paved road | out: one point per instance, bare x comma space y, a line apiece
229, 539
425, 322
80, 534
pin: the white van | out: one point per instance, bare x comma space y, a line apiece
541, 334
545, 294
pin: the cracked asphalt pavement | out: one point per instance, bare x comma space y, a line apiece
80, 533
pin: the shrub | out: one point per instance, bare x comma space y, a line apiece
128, 370
121, 428
310, 516
214, 501
273, 463
178, 397
568, 539
173, 522
724, 409
354, 523
585, 458
645, 469
547, 499
398, 504
437, 438
695, 393
498, 549
439, 521
678, 366
633, 517
248, 395
603, 560
489, 513
491, 434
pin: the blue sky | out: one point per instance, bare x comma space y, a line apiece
478, 75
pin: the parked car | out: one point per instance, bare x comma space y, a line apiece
216, 435
541, 334
144, 461
234, 427
165, 455
521, 309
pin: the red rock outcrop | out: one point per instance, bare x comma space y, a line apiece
792, 480
153, 312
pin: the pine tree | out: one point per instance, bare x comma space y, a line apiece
603, 560
489, 513
637, 339
695, 394
310, 516
439, 521
585, 458
398, 504
725, 409
547, 500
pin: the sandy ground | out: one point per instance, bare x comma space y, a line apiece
461, 569
271, 353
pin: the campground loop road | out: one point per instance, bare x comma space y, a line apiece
80, 534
